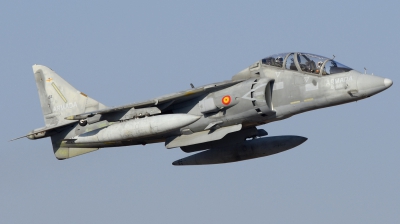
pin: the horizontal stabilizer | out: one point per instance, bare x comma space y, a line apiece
43, 132
66, 153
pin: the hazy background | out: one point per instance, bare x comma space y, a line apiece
124, 52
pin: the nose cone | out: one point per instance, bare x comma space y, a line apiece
388, 83
369, 85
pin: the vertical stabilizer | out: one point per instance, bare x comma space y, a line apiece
59, 99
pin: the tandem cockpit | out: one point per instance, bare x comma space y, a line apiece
305, 62
301, 62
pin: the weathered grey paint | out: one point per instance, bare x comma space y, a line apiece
135, 128
257, 95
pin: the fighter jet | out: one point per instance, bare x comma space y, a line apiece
218, 120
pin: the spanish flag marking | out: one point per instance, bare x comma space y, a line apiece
226, 100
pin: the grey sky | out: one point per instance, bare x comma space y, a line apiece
123, 52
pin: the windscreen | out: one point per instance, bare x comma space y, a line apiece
333, 67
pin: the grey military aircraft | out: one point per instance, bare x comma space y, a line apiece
217, 120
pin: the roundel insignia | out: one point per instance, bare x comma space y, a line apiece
226, 100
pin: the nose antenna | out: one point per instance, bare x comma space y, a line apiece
365, 70
333, 57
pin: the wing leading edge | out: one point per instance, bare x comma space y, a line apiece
161, 102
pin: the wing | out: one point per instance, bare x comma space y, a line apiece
160, 102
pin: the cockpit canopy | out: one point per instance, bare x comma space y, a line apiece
305, 62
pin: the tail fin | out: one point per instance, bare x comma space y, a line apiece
59, 99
